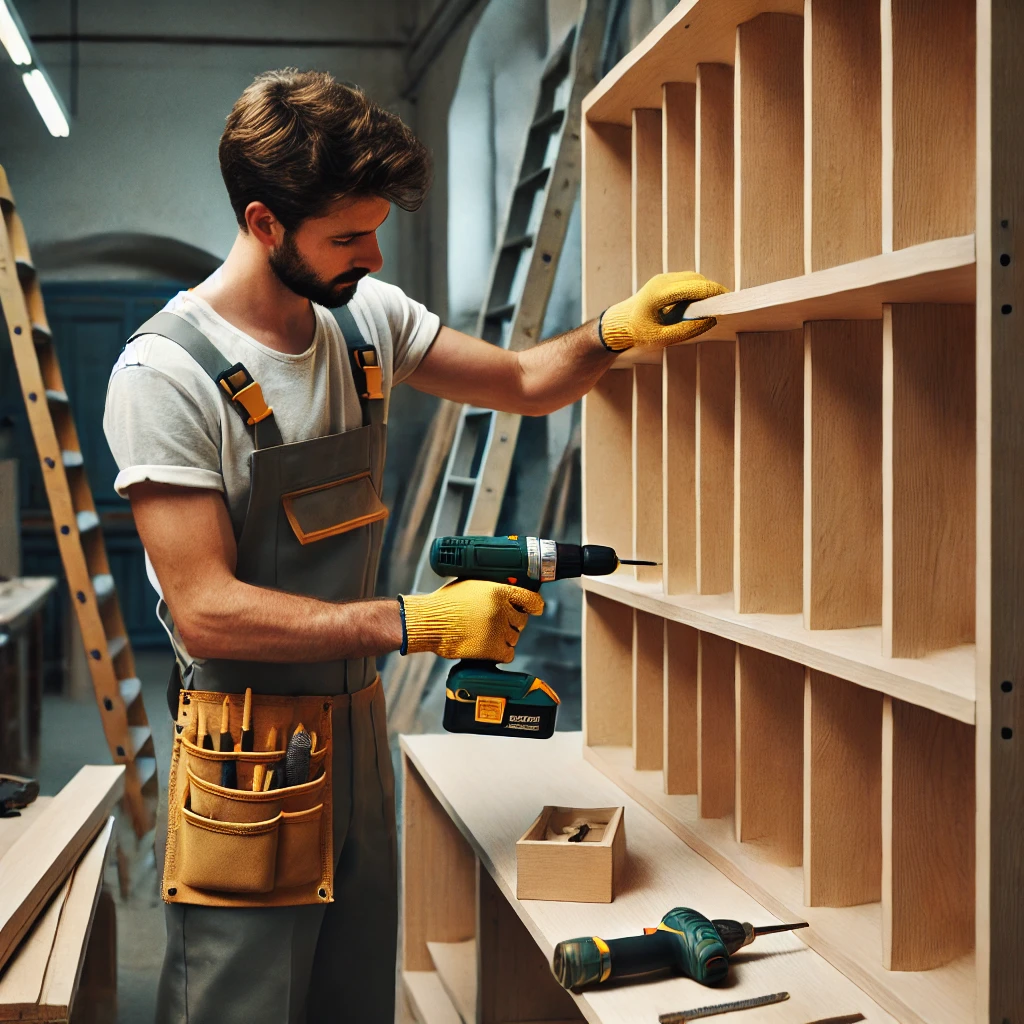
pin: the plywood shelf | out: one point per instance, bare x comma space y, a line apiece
848, 937
943, 681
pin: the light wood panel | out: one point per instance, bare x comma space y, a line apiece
716, 402
928, 805
455, 963
716, 726
607, 461
607, 671
681, 720
648, 691
842, 559
842, 792
429, 1002
647, 477
842, 132
679, 469
769, 754
928, 478
928, 112
678, 169
605, 216
769, 141
715, 205
438, 875
645, 205
768, 537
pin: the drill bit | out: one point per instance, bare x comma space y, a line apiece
711, 1011
636, 561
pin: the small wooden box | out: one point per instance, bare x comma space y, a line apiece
583, 872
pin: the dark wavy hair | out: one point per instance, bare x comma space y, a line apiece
299, 140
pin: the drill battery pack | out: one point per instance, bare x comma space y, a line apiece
481, 698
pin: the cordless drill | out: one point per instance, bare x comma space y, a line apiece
480, 697
686, 943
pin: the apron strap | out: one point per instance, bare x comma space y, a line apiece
367, 372
238, 384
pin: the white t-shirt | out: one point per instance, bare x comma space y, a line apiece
166, 420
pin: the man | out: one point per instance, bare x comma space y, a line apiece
249, 430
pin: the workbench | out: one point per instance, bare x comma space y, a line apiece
472, 952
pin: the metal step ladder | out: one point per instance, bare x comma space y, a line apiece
75, 521
527, 255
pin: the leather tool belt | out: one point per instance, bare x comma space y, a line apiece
235, 847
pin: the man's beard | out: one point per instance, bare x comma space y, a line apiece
296, 274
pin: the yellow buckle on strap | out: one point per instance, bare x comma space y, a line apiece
372, 373
251, 399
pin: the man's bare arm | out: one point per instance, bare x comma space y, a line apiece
187, 534
533, 382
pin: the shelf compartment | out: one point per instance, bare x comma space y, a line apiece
715, 417
680, 718
842, 474
679, 461
714, 214
607, 461
928, 811
943, 681
842, 792
716, 726
928, 482
678, 167
607, 671
648, 524
768, 557
645, 196
648, 690
842, 132
769, 133
456, 967
769, 755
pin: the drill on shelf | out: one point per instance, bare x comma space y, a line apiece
480, 697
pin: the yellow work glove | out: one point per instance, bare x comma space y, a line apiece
468, 619
653, 318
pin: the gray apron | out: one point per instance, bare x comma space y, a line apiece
316, 963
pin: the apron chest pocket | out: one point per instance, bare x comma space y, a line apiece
327, 510
228, 856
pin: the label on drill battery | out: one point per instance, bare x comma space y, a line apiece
490, 709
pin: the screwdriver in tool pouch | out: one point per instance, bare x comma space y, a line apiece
228, 767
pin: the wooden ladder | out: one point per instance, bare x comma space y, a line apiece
75, 521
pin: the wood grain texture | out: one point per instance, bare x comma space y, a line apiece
842, 132
928, 478
455, 963
438, 875
648, 691
605, 216
769, 148
607, 461
716, 404
715, 207
928, 806
716, 726
607, 672
769, 754
679, 465
645, 196
680, 751
842, 792
678, 175
648, 524
928, 116
842, 559
768, 535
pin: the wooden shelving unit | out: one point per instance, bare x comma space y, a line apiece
817, 690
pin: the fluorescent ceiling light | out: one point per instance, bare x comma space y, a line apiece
12, 35
46, 102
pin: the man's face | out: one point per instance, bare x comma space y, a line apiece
324, 257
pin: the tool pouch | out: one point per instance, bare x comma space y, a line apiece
239, 848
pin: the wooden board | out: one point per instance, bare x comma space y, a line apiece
455, 964
678, 167
716, 726
679, 469
607, 671
715, 210
427, 998
842, 132
842, 558
648, 690
769, 141
928, 480
842, 793
680, 718
769, 754
645, 205
647, 517
768, 537
607, 461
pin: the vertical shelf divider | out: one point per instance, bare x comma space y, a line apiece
645, 202
648, 691
648, 524
714, 174
607, 672
716, 726
679, 758
679, 469
607, 460
678, 173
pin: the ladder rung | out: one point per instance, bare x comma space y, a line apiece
25, 271
138, 736
103, 585
552, 120
116, 645
501, 312
41, 334
522, 242
87, 521
462, 481
535, 179
55, 397
71, 460
130, 689
145, 768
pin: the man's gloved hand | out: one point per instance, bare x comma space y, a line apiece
654, 316
468, 619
